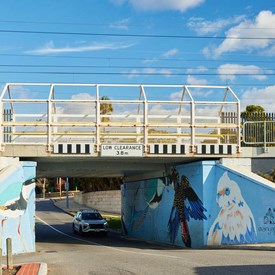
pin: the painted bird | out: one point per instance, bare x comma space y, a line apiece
150, 194
235, 223
186, 205
16, 207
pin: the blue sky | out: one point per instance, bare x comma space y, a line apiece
142, 42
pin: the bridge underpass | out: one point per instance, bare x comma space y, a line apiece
161, 138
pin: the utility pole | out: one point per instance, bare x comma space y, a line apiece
44, 188
67, 192
60, 188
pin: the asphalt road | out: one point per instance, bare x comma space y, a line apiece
66, 253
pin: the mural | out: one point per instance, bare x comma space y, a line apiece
17, 208
147, 197
269, 217
161, 208
186, 205
198, 204
235, 223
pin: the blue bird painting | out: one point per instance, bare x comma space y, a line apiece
187, 205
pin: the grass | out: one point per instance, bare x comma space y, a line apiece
113, 221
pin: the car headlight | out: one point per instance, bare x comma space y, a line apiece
106, 224
85, 224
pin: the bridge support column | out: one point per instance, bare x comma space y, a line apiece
240, 162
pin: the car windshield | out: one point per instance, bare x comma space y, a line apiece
91, 216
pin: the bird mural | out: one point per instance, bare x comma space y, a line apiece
235, 223
16, 207
186, 205
149, 194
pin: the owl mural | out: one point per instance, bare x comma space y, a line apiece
235, 223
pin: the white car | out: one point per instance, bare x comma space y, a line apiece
89, 221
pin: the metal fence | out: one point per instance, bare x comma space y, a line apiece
117, 114
258, 129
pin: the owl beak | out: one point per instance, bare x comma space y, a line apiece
220, 193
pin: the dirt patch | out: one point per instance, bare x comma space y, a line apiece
13, 271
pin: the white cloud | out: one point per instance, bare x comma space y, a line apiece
199, 69
264, 97
196, 81
159, 109
83, 96
170, 53
229, 71
50, 48
202, 26
160, 5
148, 72
261, 27
121, 24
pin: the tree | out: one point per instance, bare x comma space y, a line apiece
253, 112
99, 184
254, 108
105, 109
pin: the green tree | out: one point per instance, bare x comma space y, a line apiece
254, 108
105, 109
98, 184
253, 112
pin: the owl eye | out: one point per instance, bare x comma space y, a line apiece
227, 191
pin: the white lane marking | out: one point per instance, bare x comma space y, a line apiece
110, 247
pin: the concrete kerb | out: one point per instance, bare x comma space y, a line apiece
43, 269
263, 247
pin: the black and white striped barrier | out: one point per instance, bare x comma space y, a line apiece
166, 149
216, 149
73, 148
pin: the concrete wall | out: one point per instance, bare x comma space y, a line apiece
17, 201
108, 201
263, 165
199, 204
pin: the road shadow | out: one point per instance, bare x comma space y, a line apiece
235, 269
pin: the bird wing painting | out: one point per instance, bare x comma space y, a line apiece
187, 205
235, 223
151, 193
15, 208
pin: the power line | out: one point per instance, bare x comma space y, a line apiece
136, 58
136, 35
170, 83
133, 67
137, 73
117, 24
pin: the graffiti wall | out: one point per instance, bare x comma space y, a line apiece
242, 210
167, 209
17, 206
198, 204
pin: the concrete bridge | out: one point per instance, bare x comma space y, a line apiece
99, 130
187, 177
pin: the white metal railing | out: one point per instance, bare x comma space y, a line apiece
46, 114
259, 133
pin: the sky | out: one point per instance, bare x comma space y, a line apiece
185, 42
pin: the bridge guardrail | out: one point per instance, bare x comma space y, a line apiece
259, 133
79, 117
